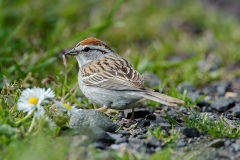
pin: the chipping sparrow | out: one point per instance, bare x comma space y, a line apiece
109, 80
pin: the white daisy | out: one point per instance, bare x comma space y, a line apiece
66, 107
31, 100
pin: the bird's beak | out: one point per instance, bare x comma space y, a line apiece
72, 52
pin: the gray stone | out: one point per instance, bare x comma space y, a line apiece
143, 123
217, 143
236, 146
165, 126
222, 104
150, 116
151, 80
191, 132
137, 144
160, 120
123, 132
189, 86
222, 88
140, 131
153, 142
181, 143
105, 138
92, 119
121, 140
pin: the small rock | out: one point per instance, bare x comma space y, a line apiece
209, 90
236, 114
181, 143
85, 119
230, 95
153, 142
104, 137
140, 131
191, 132
136, 144
172, 113
119, 147
236, 147
222, 104
222, 88
165, 126
150, 116
203, 103
189, 86
123, 132
217, 143
99, 145
228, 115
150, 150
194, 95
160, 120
210, 63
236, 111
206, 109
183, 110
121, 140
151, 80
143, 123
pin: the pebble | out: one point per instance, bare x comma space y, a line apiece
222, 105
140, 131
84, 119
165, 126
143, 123
181, 143
123, 132
217, 143
105, 138
191, 132
153, 142
121, 140
222, 88
150, 116
189, 86
151, 79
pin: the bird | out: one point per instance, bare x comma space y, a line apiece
109, 80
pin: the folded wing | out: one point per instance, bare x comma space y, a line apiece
112, 72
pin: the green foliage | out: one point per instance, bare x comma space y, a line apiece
215, 127
160, 134
33, 36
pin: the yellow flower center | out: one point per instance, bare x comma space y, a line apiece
33, 100
67, 106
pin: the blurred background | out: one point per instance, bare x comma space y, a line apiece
181, 42
178, 40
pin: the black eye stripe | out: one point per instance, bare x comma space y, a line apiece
86, 49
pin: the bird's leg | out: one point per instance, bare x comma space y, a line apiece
102, 109
132, 116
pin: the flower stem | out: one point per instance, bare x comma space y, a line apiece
31, 126
27, 116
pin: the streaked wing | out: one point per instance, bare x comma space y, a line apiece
112, 72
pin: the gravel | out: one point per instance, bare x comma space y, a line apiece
102, 133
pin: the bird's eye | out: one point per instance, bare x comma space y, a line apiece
86, 49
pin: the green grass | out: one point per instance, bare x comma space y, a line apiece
160, 134
216, 128
34, 35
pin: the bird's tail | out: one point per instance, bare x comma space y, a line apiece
161, 98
